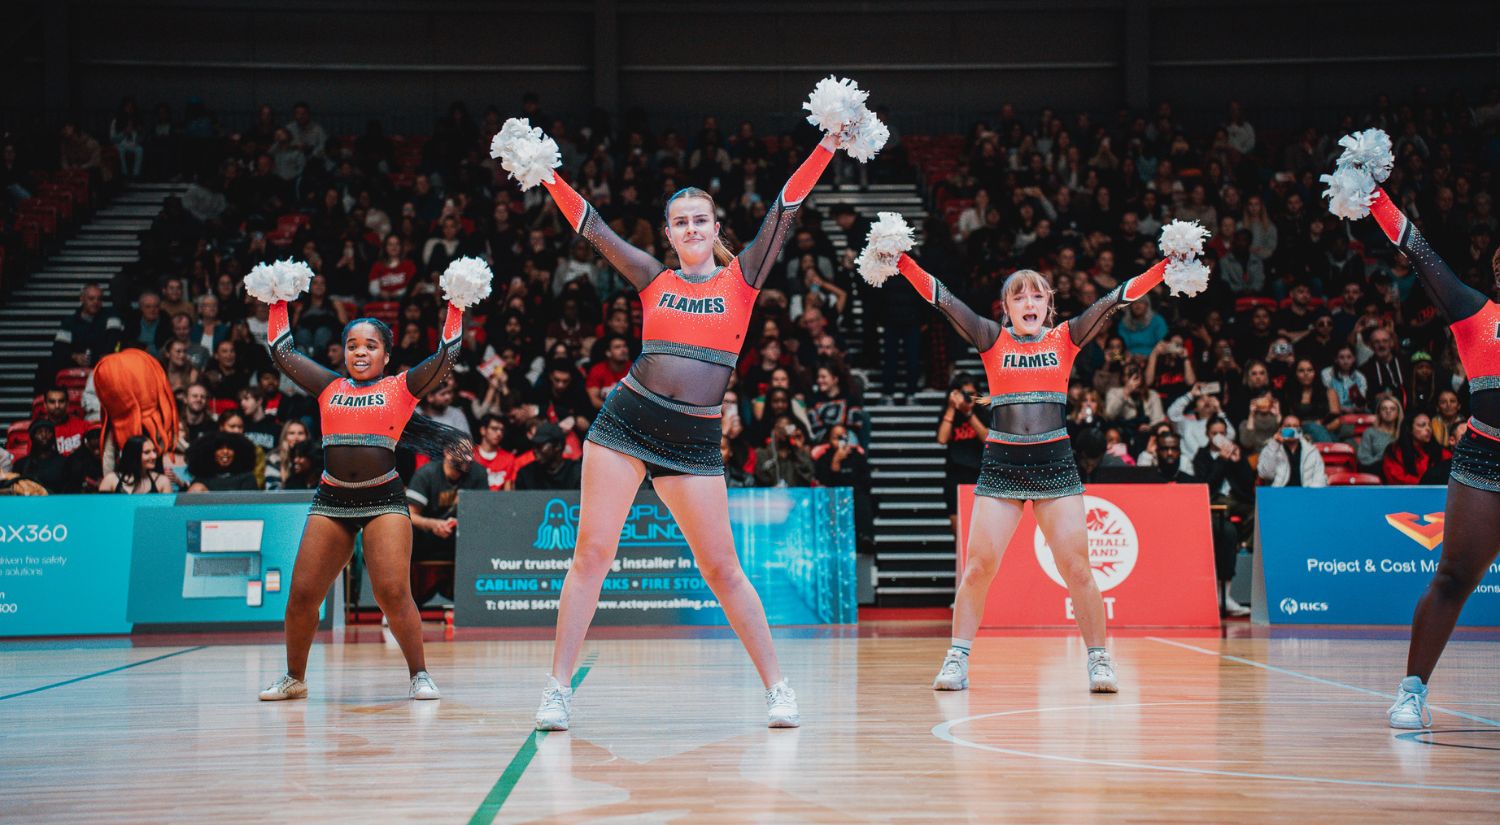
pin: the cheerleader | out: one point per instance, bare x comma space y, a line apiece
1027, 455
1473, 504
364, 416
663, 418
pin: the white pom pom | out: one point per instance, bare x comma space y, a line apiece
835, 104
865, 138
527, 154
1186, 277
889, 237
1182, 239
1369, 151
278, 281
466, 282
1350, 192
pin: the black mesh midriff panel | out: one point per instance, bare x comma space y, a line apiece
1027, 419
685, 380
357, 464
1485, 407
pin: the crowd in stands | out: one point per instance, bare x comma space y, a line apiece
1314, 357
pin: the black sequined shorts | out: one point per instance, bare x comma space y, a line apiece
1029, 471
357, 505
670, 438
1476, 458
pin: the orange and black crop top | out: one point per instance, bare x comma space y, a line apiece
362, 414
701, 319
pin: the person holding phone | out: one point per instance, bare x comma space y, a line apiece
1290, 460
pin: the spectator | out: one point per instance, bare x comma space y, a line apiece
226, 376
1349, 385
68, 429
137, 470
1384, 372
842, 463
1141, 328
787, 463
606, 374
1168, 459
735, 459
962, 429
279, 459
1290, 460
393, 274
498, 463
1194, 431
438, 406
1260, 423
1169, 370
79, 150
147, 326
1231, 484
562, 400
1306, 397
261, 428
1134, 405
833, 406
1449, 417
433, 499
1389, 419
86, 464
197, 416
307, 136
182, 330
1415, 457
221, 461
303, 466
88, 334
209, 330
1243, 271
550, 470
44, 464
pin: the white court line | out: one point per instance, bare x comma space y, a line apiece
944, 731
1309, 677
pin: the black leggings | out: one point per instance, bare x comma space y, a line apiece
1470, 544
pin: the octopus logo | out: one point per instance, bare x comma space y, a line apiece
1113, 544
557, 530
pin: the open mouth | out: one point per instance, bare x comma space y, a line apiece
360, 365
1031, 318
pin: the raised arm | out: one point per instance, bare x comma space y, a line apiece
1454, 298
975, 328
304, 372
757, 258
1095, 319
426, 376
637, 267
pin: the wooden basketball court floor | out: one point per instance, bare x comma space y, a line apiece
670, 729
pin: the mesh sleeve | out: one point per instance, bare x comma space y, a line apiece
1095, 319
757, 258
979, 331
1454, 298
306, 373
637, 267
426, 376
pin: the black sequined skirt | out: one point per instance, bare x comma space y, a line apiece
359, 504
1029, 471
1476, 458
670, 438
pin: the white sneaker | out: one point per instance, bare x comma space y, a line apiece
557, 706
1233, 608
1102, 677
954, 674
286, 687
422, 687
781, 706
1410, 711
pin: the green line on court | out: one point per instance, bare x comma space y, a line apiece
101, 673
490, 807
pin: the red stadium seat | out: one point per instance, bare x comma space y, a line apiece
72, 378
1359, 421
18, 439
1248, 303
1343, 478
219, 406
1336, 454
387, 311
294, 221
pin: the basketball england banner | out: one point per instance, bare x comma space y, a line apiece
1150, 549
1356, 555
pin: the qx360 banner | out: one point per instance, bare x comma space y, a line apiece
1150, 548
795, 544
1356, 555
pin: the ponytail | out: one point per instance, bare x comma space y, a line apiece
433, 439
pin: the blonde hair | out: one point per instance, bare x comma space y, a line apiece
1023, 280
722, 254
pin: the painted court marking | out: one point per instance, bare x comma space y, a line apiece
1320, 680
490, 807
101, 673
944, 731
